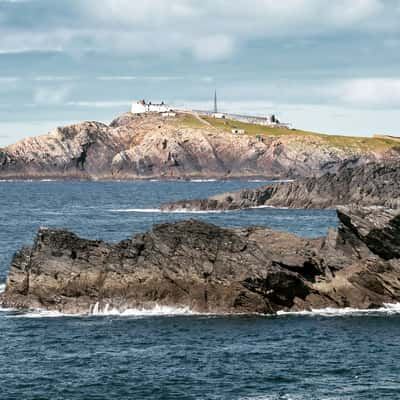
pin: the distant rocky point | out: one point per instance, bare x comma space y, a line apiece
184, 145
213, 270
387, 137
372, 184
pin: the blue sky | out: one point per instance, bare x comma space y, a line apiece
324, 65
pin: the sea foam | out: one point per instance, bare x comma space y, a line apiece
387, 309
157, 210
96, 311
157, 310
137, 210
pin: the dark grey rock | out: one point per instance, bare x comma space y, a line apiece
373, 184
211, 269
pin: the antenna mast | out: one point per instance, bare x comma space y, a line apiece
215, 102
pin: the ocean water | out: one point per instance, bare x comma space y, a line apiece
172, 353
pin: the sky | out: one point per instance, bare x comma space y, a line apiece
324, 65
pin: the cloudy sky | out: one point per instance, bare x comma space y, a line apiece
324, 65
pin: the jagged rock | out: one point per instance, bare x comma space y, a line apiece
373, 184
212, 269
378, 228
152, 146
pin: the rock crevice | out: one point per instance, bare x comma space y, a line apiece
211, 269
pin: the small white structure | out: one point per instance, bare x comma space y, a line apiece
238, 131
141, 107
219, 115
168, 114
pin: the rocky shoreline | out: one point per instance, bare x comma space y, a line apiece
372, 184
210, 269
184, 147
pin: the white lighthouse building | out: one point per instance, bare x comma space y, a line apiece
141, 107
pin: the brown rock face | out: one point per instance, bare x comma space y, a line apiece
211, 269
372, 184
152, 146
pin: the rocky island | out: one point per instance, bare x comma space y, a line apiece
200, 266
371, 184
184, 146
213, 270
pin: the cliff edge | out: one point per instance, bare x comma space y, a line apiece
184, 146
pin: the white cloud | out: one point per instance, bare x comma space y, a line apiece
16, 1
8, 79
53, 78
13, 42
209, 29
50, 96
100, 104
367, 92
213, 47
116, 78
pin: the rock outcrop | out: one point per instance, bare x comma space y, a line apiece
185, 146
373, 184
211, 269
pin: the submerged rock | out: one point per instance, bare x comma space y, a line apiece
373, 184
211, 269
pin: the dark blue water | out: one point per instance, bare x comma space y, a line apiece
343, 356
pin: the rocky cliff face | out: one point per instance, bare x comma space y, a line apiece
152, 146
373, 184
215, 270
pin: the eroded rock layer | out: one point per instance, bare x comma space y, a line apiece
211, 269
185, 146
372, 184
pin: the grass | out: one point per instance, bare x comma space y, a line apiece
189, 121
362, 143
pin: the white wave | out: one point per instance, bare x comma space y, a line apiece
202, 180
137, 210
157, 210
6, 310
184, 211
387, 308
28, 180
39, 314
263, 206
267, 206
2, 287
272, 397
96, 311
157, 310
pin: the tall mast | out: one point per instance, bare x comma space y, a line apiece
215, 102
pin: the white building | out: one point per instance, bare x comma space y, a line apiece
219, 115
168, 114
141, 107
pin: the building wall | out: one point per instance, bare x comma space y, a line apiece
158, 108
140, 108
248, 119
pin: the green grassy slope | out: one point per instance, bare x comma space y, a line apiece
366, 143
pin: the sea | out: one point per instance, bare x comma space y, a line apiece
169, 353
